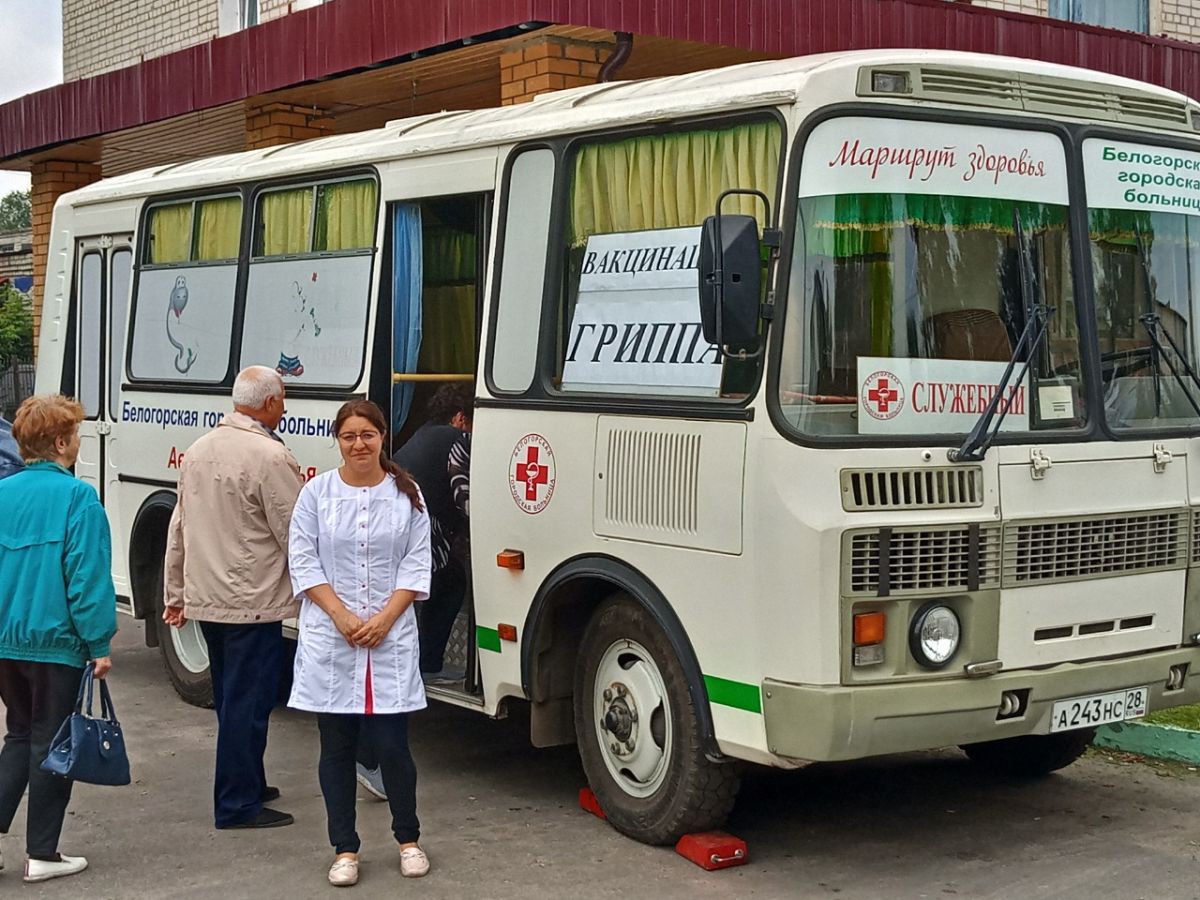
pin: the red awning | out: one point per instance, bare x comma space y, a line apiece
343, 36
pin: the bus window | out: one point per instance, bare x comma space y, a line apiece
308, 292
183, 311
522, 270
91, 312
630, 315
121, 269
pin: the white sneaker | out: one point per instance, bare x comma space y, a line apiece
343, 872
40, 870
413, 862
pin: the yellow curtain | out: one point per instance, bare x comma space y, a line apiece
671, 180
448, 314
218, 228
284, 218
170, 233
346, 215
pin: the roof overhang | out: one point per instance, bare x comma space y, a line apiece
347, 36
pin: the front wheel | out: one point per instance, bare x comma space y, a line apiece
639, 734
184, 655
1031, 755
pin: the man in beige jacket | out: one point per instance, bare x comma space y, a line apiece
226, 567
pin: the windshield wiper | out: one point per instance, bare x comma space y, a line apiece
1152, 322
1037, 318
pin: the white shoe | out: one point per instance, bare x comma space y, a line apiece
40, 870
413, 862
343, 872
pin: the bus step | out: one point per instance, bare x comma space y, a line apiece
713, 850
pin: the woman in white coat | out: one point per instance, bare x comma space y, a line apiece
359, 557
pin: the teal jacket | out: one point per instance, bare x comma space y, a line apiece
57, 603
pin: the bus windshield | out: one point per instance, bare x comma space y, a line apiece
1143, 229
910, 287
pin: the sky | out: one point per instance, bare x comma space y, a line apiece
33, 33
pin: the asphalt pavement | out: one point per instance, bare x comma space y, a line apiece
500, 820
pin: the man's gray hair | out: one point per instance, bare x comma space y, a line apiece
255, 385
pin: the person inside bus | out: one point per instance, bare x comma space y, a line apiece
438, 456
360, 558
226, 568
57, 612
10, 454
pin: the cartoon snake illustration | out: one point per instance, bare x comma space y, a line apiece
176, 304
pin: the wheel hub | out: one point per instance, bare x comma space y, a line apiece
632, 712
621, 716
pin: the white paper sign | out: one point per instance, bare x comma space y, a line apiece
859, 155
1121, 175
636, 326
934, 396
183, 322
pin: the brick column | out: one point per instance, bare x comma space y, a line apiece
271, 124
49, 181
550, 63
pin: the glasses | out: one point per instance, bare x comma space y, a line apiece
353, 437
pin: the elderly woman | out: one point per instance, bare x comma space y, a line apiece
359, 554
57, 612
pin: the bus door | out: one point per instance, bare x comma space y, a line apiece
438, 248
103, 273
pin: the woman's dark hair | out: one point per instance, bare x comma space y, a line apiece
365, 409
451, 399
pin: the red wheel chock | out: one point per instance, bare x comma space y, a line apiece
713, 850
588, 802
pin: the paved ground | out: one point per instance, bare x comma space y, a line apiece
500, 821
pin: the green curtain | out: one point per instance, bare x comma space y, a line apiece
671, 180
218, 228
170, 233
283, 222
346, 214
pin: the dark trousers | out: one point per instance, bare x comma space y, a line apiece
244, 661
387, 736
37, 697
435, 616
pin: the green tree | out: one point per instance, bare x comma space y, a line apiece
16, 211
16, 327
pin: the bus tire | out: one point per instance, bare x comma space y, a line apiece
1031, 755
639, 737
184, 655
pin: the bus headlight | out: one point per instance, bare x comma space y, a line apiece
935, 635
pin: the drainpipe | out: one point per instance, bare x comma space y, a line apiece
620, 55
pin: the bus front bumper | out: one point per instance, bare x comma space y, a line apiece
820, 722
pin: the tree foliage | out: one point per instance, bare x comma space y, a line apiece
16, 326
16, 211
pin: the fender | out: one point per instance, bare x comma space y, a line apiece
159, 502
623, 576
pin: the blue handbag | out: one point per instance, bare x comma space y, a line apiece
88, 749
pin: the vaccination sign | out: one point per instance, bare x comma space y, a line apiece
636, 326
1121, 175
856, 155
934, 396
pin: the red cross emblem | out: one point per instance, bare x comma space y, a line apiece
882, 395
531, 473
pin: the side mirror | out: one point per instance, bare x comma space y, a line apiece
730, 272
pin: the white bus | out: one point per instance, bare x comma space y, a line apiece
902, 462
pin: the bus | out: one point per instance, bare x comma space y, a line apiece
826, 407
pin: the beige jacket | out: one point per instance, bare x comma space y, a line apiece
227, 545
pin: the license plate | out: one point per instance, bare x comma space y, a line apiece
1099, 709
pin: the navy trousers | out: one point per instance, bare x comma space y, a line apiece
244, 661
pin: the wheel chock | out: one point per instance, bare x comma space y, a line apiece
588, 801
712, 850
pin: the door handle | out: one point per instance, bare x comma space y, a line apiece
103, 428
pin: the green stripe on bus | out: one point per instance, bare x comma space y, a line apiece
733, 693
487, 638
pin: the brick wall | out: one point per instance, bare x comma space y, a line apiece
1032, 7
1177, 18
102, 35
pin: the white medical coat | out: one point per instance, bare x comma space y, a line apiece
365, 543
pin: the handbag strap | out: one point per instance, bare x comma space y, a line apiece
85, 690
106, 704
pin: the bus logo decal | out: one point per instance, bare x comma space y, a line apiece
531, 474
883, 395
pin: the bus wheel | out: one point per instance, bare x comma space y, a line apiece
638, 733
1032, 755
184, 656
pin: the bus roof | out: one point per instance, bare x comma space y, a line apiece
744, 86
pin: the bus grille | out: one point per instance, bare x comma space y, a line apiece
944, 487
654, 481
1196, 537
1056, 550
886, 562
